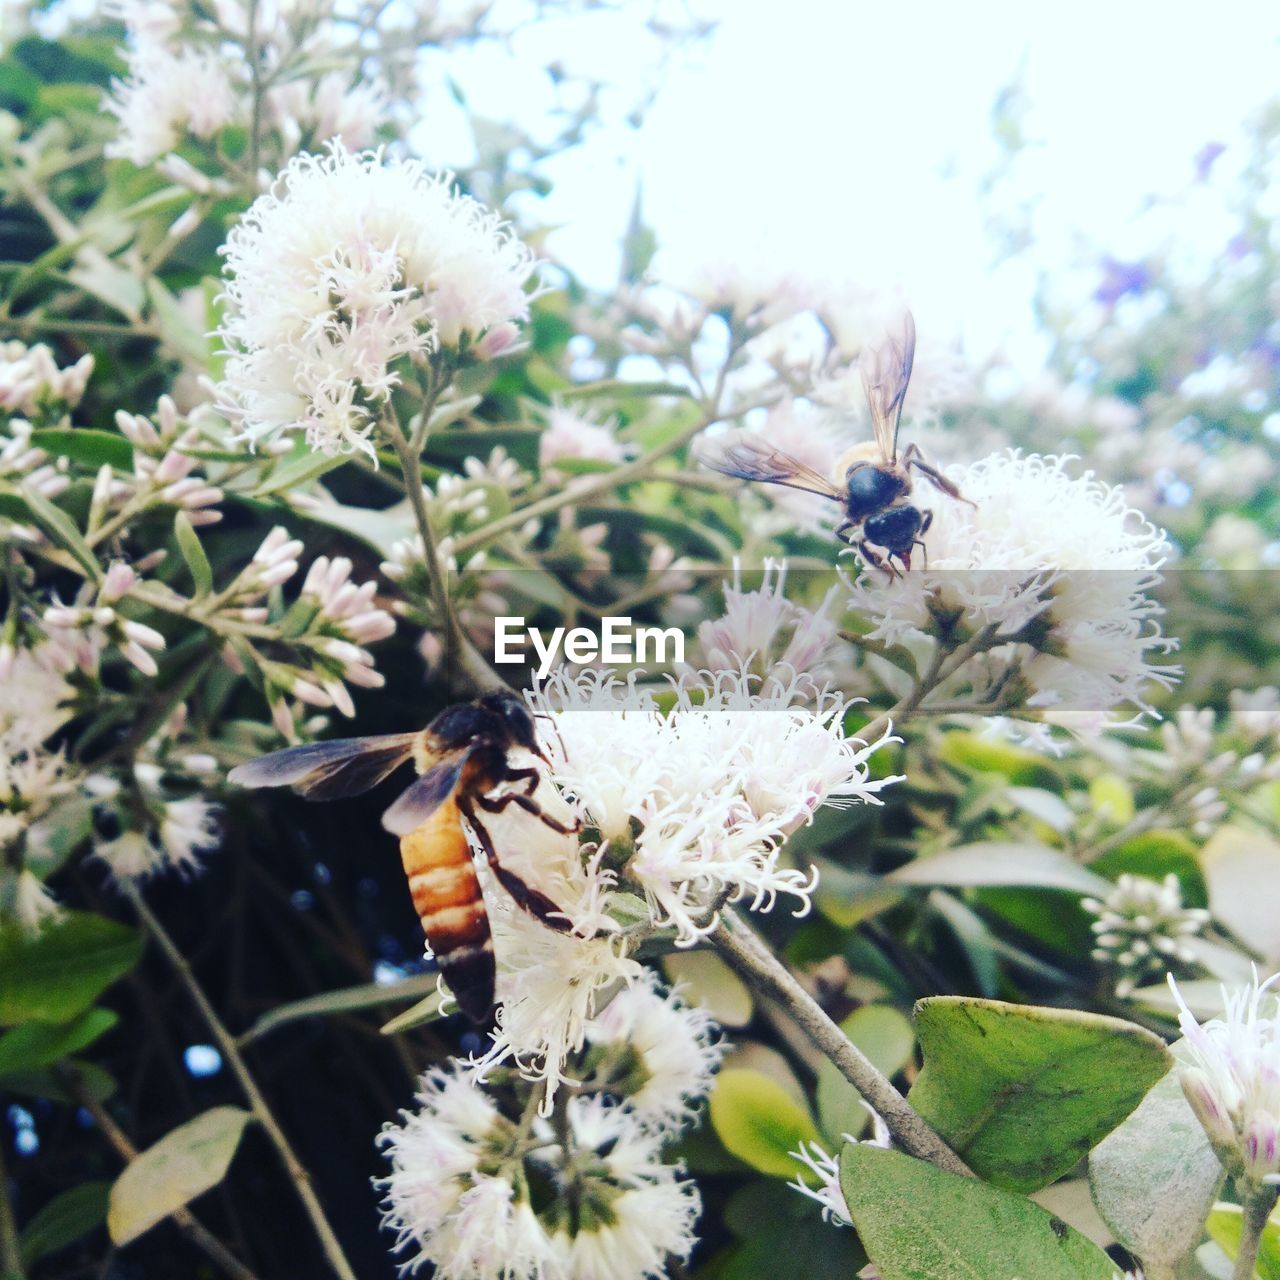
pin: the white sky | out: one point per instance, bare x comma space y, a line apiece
848, 138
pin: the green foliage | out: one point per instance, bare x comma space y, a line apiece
64, 1220
920, 1223
60, 972
1021, 1093
759, 1121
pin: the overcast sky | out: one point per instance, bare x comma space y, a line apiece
849, 138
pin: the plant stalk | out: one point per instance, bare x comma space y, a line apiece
751, 958
226, 1042
1257, 1203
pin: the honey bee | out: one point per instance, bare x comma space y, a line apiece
869, 480
462, 757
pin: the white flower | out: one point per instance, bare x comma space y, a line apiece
574, 435
1141, 927
826, 1170
348, 264
634, 1212
1233, 1082
169, 92
674, 1047
23, 898
178, 831
762, 630
714, 785
443, 1197
1055, 562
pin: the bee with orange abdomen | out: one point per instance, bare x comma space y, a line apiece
463, 757
869, 480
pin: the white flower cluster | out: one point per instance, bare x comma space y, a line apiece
24, 464
35, 702
682, 809
164, 468
188, 78
350, 265
174, 835
1233, 1080
1056, 563
574, 436
31, 382
1142, 927
458, 1192
763, 632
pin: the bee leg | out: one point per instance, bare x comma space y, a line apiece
925, 522
536, 903
530, 778
496, 804
911, 458
876, 560
844, 531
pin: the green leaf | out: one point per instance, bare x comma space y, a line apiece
918, 1222
427, 1010
1156, 854
1112, 799
886, 1036
98, 1083
1155, 1178
86, 446
60, 529
40, 1044
1004, 863
1226, 1225
368, 995
64, 968
759, 1122
970, 752
185, 1163
1021, 1093
193, 553
297, 470
63, 1221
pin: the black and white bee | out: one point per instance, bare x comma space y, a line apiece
869, 481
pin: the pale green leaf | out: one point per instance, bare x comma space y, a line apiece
185, 1163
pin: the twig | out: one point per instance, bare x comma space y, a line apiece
10, 1249
183, 1218
477, 671
749, 956
258, 1104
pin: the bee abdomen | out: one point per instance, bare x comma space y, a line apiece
447, 897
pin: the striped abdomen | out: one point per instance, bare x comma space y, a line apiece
447, 897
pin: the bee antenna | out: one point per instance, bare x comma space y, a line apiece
555, 728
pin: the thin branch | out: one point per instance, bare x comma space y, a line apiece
226, 1042
10, 1249
183, 1218
473, 666
749, 956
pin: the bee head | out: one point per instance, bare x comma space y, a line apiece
517, 722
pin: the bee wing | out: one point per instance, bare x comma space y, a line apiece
750, 457
428, 793
328, 770
886, 371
